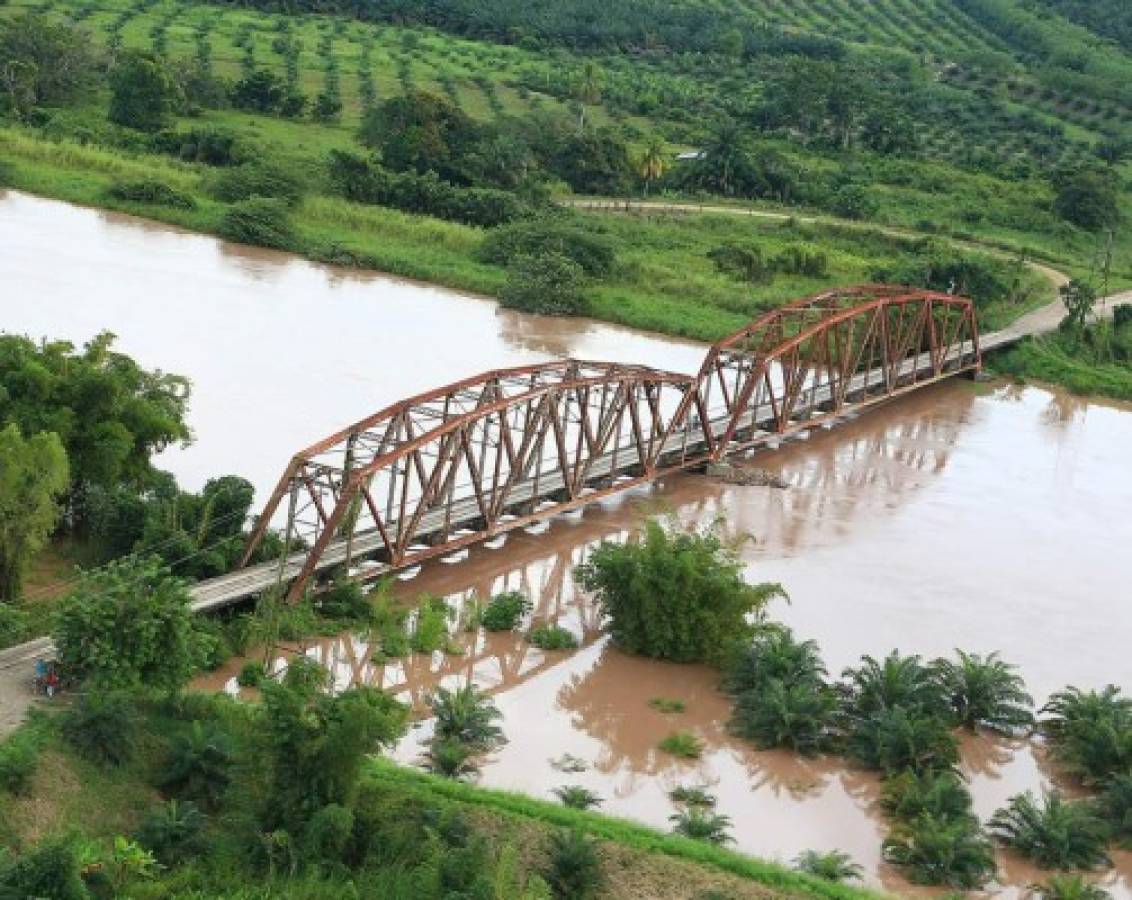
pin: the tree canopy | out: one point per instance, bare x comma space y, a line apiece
111, 414
33, 475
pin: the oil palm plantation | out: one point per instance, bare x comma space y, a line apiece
701, 825
896, 740
797, 716
833, 866
1090, 732
941, 795
941, 851
896, 681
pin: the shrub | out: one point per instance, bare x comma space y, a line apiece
744, 262
199, 764
51, 869
19, 756
593, 253
799, 260
552, 637
261, 221
252, 674
833, 866
684, 744
430, 632
468, 716
701, 825
1055, 834
211, 146
577, 797
676, 595
127, 625
102, 727
1114, 805
256, 179
894, 740
692, 796
941, 795
504, 611
327, 834
13, 624
153, 191
986, 692
346, 600
449, 757
550, 284
358, 179
944, 852
1091, 733
853, 201
574, 872
172, 831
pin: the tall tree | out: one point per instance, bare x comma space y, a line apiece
33, 477
588, 89
43, 63
653, 162
144, 94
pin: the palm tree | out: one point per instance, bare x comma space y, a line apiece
699, 825
941, 851
898, 681
833, 866
199, 765
467, 715
588, 89
1115, 806
895, 740
798, 716
775, 655
941, 795
1091, 733
986, 692
449, 757
577, 797
1056, 834
653, 162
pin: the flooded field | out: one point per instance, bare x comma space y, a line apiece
986, 517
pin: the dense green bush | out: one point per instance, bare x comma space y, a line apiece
550, 284
504, 611
552, 637
744, 262
981, 277
261, 221
1114, 805
127, 625
346, 600
1055, 834
676, 595
19, 757
594, 253
257, 179
102, 727
251, 674
363, 181
50, 869
151, 190
211, 146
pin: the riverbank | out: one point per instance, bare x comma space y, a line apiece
663, 278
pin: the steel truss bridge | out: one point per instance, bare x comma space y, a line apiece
467, 462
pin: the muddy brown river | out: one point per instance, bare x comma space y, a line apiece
986, 517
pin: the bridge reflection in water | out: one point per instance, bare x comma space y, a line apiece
838, 480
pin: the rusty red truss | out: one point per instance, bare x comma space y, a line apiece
466, 462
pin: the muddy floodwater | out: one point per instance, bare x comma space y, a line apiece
986, 517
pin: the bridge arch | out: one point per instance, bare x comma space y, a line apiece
465, 462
